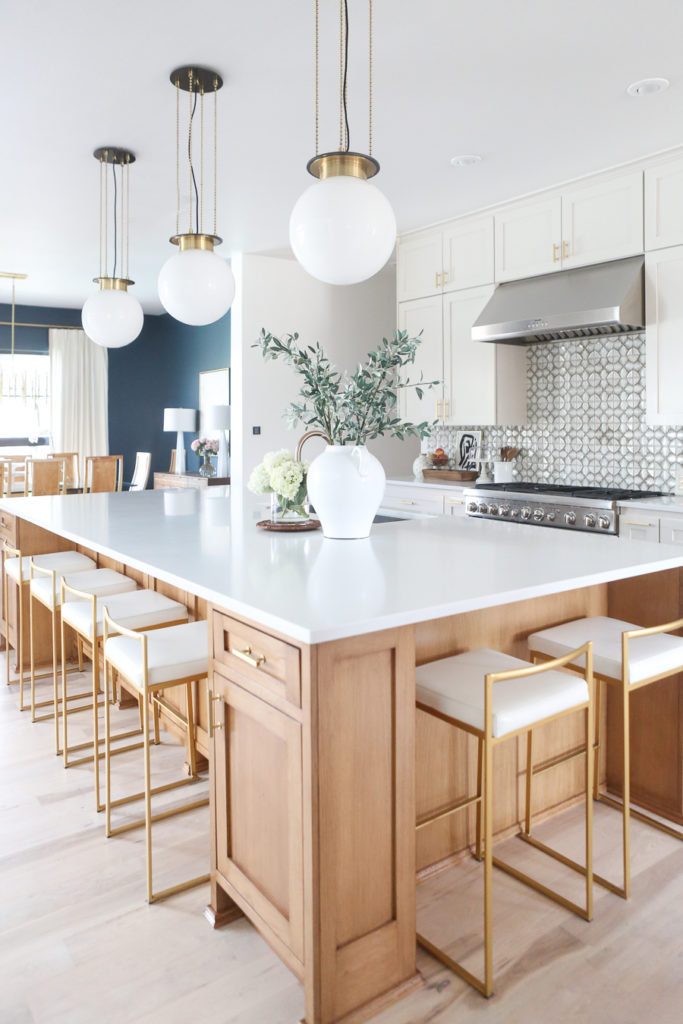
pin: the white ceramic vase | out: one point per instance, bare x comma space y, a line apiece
346, 487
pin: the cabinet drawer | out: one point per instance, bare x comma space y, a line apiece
671, 530
408, 499
639, 526
455, 506
8, 528
274, 665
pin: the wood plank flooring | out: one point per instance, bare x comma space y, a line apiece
79, 945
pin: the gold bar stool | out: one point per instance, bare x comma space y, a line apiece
45, 589
17, 570
494, 697
136, 610
628, 657
150, 662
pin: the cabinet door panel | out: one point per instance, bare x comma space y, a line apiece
423, 315
635, 526
468, 253
664, 352
419, 260
469, 366
603, 222
664, 205
413, 499
671, 530
528, 237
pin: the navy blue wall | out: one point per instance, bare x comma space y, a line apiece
159, 370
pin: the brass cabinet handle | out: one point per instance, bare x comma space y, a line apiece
212, 724
445, 409
255, 660
454, 501
565, 250
556, 253
635, 522
404, 501
438, 403
444, 277
438, 283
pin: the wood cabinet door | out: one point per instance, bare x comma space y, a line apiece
258, 795
528, 239
664, 205
419, 265
468, 253
664, 330
603, 221
423, 315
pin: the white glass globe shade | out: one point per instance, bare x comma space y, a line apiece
342, 230
112, 318
196, 286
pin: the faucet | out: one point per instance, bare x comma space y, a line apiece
302, 441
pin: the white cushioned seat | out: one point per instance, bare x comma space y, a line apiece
455, 687
647, 655
139, 609
60, 562
100, 582
177, 652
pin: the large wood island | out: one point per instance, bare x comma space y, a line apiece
319, 763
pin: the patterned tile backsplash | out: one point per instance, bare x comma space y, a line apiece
586, 419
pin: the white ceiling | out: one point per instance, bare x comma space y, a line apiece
537, 88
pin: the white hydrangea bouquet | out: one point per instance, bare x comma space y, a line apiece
280, 475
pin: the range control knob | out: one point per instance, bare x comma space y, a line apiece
539, 513
604, 522
493, 510
589, 520
504, 510
483, 509
525, 513
471, 506
550, 515
570, 518
514, 513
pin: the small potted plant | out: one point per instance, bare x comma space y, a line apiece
205, 447
285, 480
346, 482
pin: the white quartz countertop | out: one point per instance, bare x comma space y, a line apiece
667, 503
432, 484
314, 589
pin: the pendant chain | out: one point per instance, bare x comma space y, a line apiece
189, 148
127, 216
101, 166
200, 226
317, 78
341, 74
106, 218
215, 149
177, 158
370, 82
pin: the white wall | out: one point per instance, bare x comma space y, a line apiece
280, 296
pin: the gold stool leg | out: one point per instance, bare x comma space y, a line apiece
191, 751
33, 660
596, 769
107, 753
20, 620
5, 600
65, 717
488, 868
529, 779
55, 683
480, 781
589, 811
148, 797
96, 724
626, 792
79, 647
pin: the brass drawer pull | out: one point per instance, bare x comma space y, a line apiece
405, 501
454, 501
635, 522
556, 253
256, 660
565, 250
212, 724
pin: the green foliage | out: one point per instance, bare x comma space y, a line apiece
351, 408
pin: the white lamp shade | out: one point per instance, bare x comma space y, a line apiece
342, 230
180, 419
112, 318
196, 286
218, 417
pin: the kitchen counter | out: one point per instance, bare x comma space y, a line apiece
667, 503
314, 589
438, 484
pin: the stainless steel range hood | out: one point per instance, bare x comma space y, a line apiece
607, 298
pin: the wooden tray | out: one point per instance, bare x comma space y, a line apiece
454, 475
268, 524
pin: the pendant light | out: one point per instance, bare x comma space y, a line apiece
342, 229
112, 317
195, 285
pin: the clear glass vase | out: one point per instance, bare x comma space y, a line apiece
284, 511
206, 468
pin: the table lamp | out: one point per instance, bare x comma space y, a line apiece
180, 420
218, 418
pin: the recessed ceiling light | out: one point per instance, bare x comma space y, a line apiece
648, 86
468, 160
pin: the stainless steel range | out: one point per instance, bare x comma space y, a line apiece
593, 509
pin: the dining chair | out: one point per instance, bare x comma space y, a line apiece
15, 474
103, 473
44, 476
143, 465
72, 476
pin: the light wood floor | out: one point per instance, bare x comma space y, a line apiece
79, 945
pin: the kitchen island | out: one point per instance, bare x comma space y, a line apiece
319, 762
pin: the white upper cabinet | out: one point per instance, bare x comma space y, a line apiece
664, 335
459, 255
529, 239
468, 253
602, 221
587, 224
419, 265
664, 205
423, 315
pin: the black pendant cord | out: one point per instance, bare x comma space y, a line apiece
113, 171
346, 71
189, 156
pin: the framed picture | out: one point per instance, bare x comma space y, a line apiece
214, 389
467, 448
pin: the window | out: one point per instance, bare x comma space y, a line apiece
24, 397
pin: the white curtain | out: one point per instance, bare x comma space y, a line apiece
78, 394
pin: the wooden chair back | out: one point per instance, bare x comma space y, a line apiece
143, 465
44, 476
171, 468
5, 476
15, 474
72, 473
103, 473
